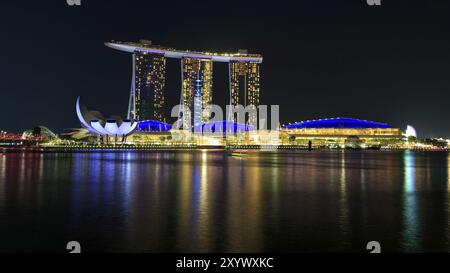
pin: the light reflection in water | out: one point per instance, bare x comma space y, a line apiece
22, 175
447, 229
208, 201
126, 180
185, 198
343, 205
243, 228
232, 215
76, 195
203, 208
410, 235
2, 179
254, 196
275, 185
448, 172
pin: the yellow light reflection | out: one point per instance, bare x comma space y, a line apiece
254, 198
244, 203
203, 208
185, 198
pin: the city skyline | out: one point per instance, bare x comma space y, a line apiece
225, 135
307, 71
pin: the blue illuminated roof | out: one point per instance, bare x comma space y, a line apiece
225, 126
337, 123
153, 126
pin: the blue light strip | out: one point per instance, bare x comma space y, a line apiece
338, 123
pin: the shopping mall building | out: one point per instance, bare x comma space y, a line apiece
341, 131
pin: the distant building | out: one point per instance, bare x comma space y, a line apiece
41, 131
147, 96
193, 70
244, 85
410, 132
342, 130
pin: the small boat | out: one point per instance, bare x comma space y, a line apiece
240, 153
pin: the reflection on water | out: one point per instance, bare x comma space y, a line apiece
410, 239
447, 224
207, 201
343, 206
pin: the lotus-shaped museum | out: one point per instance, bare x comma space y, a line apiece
95, 123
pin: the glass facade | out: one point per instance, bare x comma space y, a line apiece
342, 127
245, 85
192, 70
149, 86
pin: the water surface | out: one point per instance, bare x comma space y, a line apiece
208, 201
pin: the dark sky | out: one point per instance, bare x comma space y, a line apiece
321, 58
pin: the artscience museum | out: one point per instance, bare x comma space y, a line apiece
114, 127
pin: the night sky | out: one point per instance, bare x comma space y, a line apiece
321, 58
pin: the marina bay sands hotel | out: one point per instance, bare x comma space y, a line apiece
147, 96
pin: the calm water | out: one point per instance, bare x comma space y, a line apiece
198, 201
